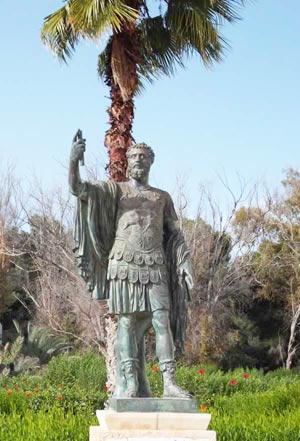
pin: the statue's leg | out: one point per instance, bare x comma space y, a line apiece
142, 325
127, 357
165, 354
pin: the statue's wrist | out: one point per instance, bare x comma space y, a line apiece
74, 161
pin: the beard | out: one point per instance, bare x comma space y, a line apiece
138, 172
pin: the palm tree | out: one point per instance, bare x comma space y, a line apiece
139, 47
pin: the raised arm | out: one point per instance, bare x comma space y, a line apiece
77, 151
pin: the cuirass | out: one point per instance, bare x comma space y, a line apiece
137, 253
140, 218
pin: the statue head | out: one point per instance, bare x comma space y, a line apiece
140, 157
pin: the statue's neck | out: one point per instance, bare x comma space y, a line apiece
139, 182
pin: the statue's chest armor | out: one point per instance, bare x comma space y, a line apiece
140, 218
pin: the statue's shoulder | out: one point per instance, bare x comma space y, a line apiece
164, 195
104, 184
122, 185
100, 189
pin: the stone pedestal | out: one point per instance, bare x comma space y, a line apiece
180, 405
151, 426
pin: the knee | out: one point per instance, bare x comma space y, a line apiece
126, 323
160, 321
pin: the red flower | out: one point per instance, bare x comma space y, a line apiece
203, 408
246, 376
16, 389
61, 384
155, 368
59, 397
36, 391
201, 371
105, 388
233, 382
9, 393
27, 394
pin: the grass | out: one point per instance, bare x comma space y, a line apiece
60, 402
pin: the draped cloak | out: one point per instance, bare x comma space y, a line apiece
94, 236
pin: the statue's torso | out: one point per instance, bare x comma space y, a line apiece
140, 217
137, 253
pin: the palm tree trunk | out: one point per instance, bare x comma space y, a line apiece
118, 137
123, 55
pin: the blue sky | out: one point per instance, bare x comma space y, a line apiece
240, 117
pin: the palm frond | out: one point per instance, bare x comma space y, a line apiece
44, 344
160, 52
226, 9
94, 17
102, 64
195, 25
63, 29
40, 342
59, 34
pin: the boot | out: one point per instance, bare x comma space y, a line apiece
171, 390
130, 370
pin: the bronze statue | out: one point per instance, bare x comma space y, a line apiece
131, 251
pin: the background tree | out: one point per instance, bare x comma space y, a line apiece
217, 320
275, 263
141, 46
245, 306
12, 255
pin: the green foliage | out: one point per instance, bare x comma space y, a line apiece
87, 371
83, 19
74, 383
42, 343
59, 404
271, 416
55, 425
9, 354
184, 28
207, 383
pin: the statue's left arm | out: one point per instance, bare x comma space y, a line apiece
180, 273
173, 232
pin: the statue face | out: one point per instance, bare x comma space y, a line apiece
139, 163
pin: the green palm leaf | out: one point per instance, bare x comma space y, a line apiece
195, 24
59, 34
86, 19
160, 50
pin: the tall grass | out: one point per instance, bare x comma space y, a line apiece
60, 402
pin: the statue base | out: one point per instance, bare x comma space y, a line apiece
151, 426
180, 405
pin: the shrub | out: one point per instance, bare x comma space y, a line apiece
60, 402
55, 425
266, 416
87, 371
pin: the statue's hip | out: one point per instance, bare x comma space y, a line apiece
136, 264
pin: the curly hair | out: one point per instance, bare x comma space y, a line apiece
144, 146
